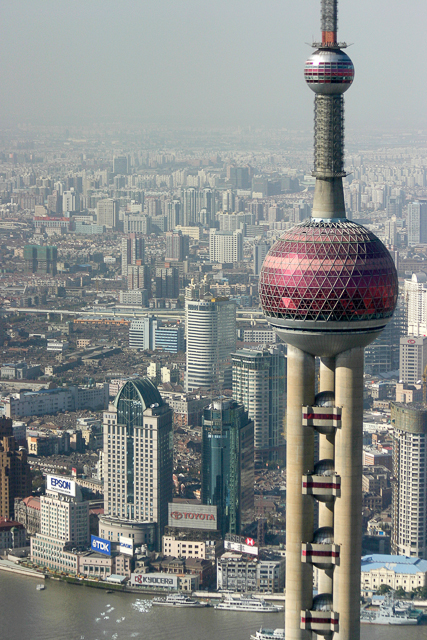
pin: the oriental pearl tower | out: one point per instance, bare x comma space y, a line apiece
328, 287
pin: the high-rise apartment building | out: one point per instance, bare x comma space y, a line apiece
259, 384
409, 501
107, 213
167, 282
133, 252
415, 295
228, 463
70, 202
417, 223
138, 458
211, 339
177, 246
261, 248
190, 206
173, 213
139, 277
15, 477
120, 165
225, 246
413, 358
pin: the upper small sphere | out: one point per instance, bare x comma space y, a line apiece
329, 72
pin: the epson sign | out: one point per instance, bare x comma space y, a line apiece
59, 484
100, 545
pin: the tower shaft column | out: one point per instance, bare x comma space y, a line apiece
348, 507
326, 451
299, 507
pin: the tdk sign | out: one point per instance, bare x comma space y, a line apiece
59, 484
100, 546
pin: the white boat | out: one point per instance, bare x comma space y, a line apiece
247, 603
391, 611
178, 600
40, 587
269, 634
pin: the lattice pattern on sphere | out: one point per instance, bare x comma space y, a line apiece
328, 271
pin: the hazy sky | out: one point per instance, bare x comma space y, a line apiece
217, 63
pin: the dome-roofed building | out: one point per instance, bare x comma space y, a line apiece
138, 461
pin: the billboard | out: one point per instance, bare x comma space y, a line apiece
126, 546
158, 580
100, 545
241, 547
192, 516
61, 484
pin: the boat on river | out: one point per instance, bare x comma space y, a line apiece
247, 603
391, 611
178, 600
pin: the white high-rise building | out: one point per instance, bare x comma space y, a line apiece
107, 213
65, 517
259, 384
142, 333
413, 358
138, 458
64, 525
225, 246
409, 503
211, 339
416, 304
69, 202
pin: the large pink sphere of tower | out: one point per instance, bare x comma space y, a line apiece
327, 286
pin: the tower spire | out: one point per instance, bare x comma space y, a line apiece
329, 22
329, 72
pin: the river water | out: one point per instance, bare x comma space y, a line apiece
68, 612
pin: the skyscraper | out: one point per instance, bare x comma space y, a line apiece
260, 251
417, 223
259, 384
107, 213
138, 459
225, 246
228, 463
416, 304
413, 358
15, 477
409, 501
211, 339
177, 246
328, 287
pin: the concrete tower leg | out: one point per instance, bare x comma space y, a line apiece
348, 507
299, 507
326, 451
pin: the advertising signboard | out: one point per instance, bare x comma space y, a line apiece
100, 545
192, 516
158, 580
126, 546
241, 547
61, 484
